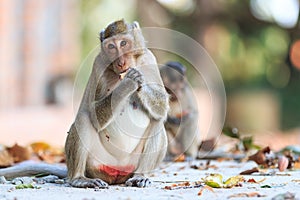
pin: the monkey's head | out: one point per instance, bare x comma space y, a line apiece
122, 43
173, 76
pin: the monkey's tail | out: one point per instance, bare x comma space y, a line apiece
31, 168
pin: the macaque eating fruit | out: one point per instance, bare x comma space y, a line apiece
118, 133
182, 120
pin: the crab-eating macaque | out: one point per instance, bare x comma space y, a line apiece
182, 120
118, 133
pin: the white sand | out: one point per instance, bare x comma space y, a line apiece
280, 183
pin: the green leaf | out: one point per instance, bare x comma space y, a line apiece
265, 186
26, 186
247, 142
213, 184
214, 180
233, 181
231, 132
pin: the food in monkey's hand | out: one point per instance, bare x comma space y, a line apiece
122, 75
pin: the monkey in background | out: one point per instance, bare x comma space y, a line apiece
118, 133
182, 120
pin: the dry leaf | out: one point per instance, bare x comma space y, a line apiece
216, 181
6, 159
19, 153
297, 165
208, 145
234, 181
47, 153
184, 185
40, 147
252, 180
180, 158
203, 188
260, 157
250, 194
249, 171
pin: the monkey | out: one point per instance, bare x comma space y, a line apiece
118, 133
182, 119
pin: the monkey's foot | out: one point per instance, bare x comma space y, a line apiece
83, 182
138, 181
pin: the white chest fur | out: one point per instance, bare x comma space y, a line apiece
127, 128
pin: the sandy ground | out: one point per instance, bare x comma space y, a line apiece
166, 175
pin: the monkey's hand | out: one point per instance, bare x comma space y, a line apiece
135, 76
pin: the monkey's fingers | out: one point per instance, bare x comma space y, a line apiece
88, 183
135, 75
138, 181
131, 73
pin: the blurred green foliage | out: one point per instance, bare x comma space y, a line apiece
250, 53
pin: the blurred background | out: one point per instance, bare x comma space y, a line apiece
254, 43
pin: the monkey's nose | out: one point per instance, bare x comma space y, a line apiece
121, 63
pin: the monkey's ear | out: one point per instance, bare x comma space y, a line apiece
138, 38
135, 24
102, 35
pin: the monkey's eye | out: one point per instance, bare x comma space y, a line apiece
111, 46
123, 43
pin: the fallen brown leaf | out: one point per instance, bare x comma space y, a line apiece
297, 165
252, 180
208, 145
6, 159
180, 158
260, 157
250, 194
296, 180
38, 147
249, 171
19, 153
203, 188
184, 185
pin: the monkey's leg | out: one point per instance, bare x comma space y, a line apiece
189, 137
76, 149
153, 153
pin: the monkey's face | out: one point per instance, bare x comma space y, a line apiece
119, 50
175, 84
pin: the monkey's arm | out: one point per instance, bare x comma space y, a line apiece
103, 109
152, 93
155, 100
30, 168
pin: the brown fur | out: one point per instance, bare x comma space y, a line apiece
181, 125
93, 139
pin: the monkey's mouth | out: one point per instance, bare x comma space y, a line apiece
123, 73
